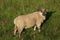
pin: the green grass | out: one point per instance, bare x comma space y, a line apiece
9, 9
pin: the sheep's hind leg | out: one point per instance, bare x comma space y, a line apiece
20, 29
15, 29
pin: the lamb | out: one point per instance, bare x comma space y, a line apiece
34, 19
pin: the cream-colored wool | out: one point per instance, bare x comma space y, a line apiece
27, 21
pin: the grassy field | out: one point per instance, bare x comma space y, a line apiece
9, 9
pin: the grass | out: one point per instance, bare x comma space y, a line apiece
9, 9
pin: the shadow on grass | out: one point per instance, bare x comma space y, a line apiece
48, 15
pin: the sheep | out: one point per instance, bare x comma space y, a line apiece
34, 19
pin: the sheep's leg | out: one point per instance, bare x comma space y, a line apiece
38, 26
34, 28
15, 29
20, 29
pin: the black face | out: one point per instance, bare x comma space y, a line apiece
44, 13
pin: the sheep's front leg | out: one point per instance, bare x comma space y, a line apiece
34, 28
38, 26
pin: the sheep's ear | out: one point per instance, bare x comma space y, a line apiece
43, 10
